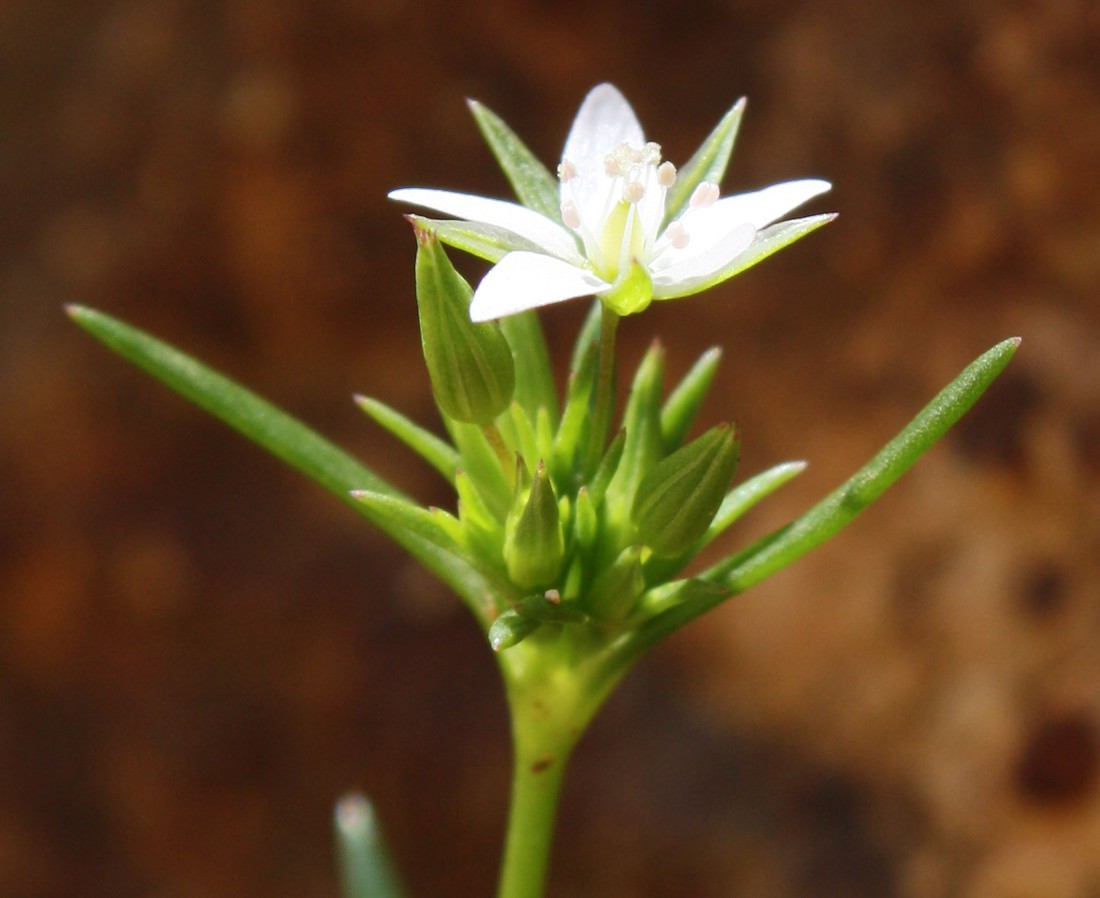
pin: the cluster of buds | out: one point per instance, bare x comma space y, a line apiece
577, 526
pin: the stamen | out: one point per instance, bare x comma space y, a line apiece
677, 235
634, 191
567, 171
705, 195
570, 217
666, 174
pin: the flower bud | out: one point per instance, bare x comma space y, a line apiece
470, 365
533, 541
678, 498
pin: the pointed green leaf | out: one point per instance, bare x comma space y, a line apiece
436, 452
642, 423
534, 374
575, 419
244, 411
478, 459
534, 185
366, 870
286, 438
781, 548
524, 437
447, 558
708, 164
684, 402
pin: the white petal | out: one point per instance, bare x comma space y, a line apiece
520, 220
762, 207
604, 121
522, 281
687, 271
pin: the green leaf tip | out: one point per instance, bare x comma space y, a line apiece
365, 867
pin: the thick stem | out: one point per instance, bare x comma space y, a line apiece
536, 785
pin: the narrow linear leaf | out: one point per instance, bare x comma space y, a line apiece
283, 436
443, 555
534, 374
436, 452
244, 411
533, 183
781, 548
684, 402
366, 870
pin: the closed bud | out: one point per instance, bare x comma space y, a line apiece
533, 542
470, 365
678, 498
617, 588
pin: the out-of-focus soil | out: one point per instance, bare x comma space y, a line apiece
199, 652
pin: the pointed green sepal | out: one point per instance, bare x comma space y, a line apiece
684, 402
488, 242
708, 164
366, 870
533, 545
677, 500
470, 365
617, 588
535, 186
768, 241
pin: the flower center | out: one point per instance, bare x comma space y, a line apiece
618, 220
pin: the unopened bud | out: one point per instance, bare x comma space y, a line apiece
470, 365
678, 498
533, 542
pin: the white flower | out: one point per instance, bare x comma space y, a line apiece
618, 236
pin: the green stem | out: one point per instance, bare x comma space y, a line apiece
603, 399
536, 786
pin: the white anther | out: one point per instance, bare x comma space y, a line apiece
666, 174
633, 192
677, 235
705, 195
567, 171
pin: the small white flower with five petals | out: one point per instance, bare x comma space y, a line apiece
629, 228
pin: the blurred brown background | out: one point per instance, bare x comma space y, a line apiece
199, 651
